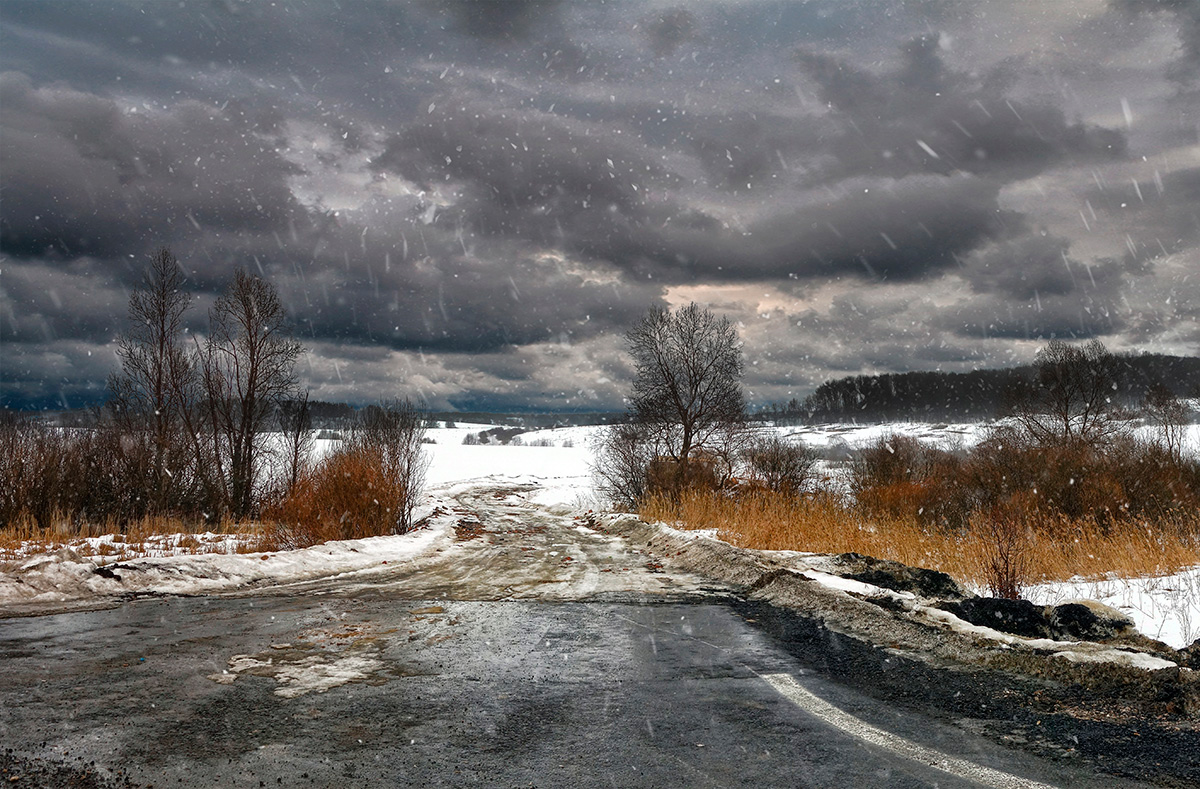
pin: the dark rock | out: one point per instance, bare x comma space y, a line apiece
898, 577
1017, 617
770, 577
106, 572
1087, 620
1189, 656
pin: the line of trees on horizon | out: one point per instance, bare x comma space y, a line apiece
975, 395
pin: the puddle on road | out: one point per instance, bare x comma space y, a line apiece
321, 659
311, 673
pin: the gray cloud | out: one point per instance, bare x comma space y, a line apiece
84, 175
669, 29
1187, 17
923, 117
477, 198
512, 19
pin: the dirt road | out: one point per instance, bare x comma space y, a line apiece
528, 649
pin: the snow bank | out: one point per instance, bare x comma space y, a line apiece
1166, 608
65, 576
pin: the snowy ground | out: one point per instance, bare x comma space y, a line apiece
1164, 608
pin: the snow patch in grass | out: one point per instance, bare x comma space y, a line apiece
1166, 608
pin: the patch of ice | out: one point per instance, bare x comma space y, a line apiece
854, 587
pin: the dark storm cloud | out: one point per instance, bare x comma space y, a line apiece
87, 176
540, 180
458, 302
1051, 317
669, 29
511, 19
47, 303
896, 230
56, 374
1029, 267
756, 150
1161, 213
1033, 289
524, 176
84, 175
507, 185
923, 117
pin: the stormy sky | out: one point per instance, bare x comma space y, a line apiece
469, 202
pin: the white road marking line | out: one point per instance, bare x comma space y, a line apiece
790, 689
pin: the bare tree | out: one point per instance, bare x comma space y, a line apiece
622, 455
781, 465
1071, 396
247, 366
149, 393
687, 388
295, 422
1167, 413
686, 408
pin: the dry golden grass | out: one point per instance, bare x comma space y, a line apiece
1056, 548
140, 537
349, 495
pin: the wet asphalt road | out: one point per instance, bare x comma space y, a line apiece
497, 662
634, 693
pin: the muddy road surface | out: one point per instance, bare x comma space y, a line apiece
526, 649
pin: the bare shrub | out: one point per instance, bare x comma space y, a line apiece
780, 465
1119, 478
63, 478
1004, 534
1169, 416
349, 495
666, 476
1153, 479
367, 487
622, 454
394, 433
295, 423
902, 476
19, 470
890, 459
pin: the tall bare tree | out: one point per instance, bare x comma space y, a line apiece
149, 394
1071, 396
688, 381
686, 401
247, 368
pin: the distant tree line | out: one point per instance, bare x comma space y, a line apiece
975, 395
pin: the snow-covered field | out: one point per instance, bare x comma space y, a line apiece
1166, 608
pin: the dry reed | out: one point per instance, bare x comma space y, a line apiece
1055, 548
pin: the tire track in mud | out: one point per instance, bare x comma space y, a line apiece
501, 545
